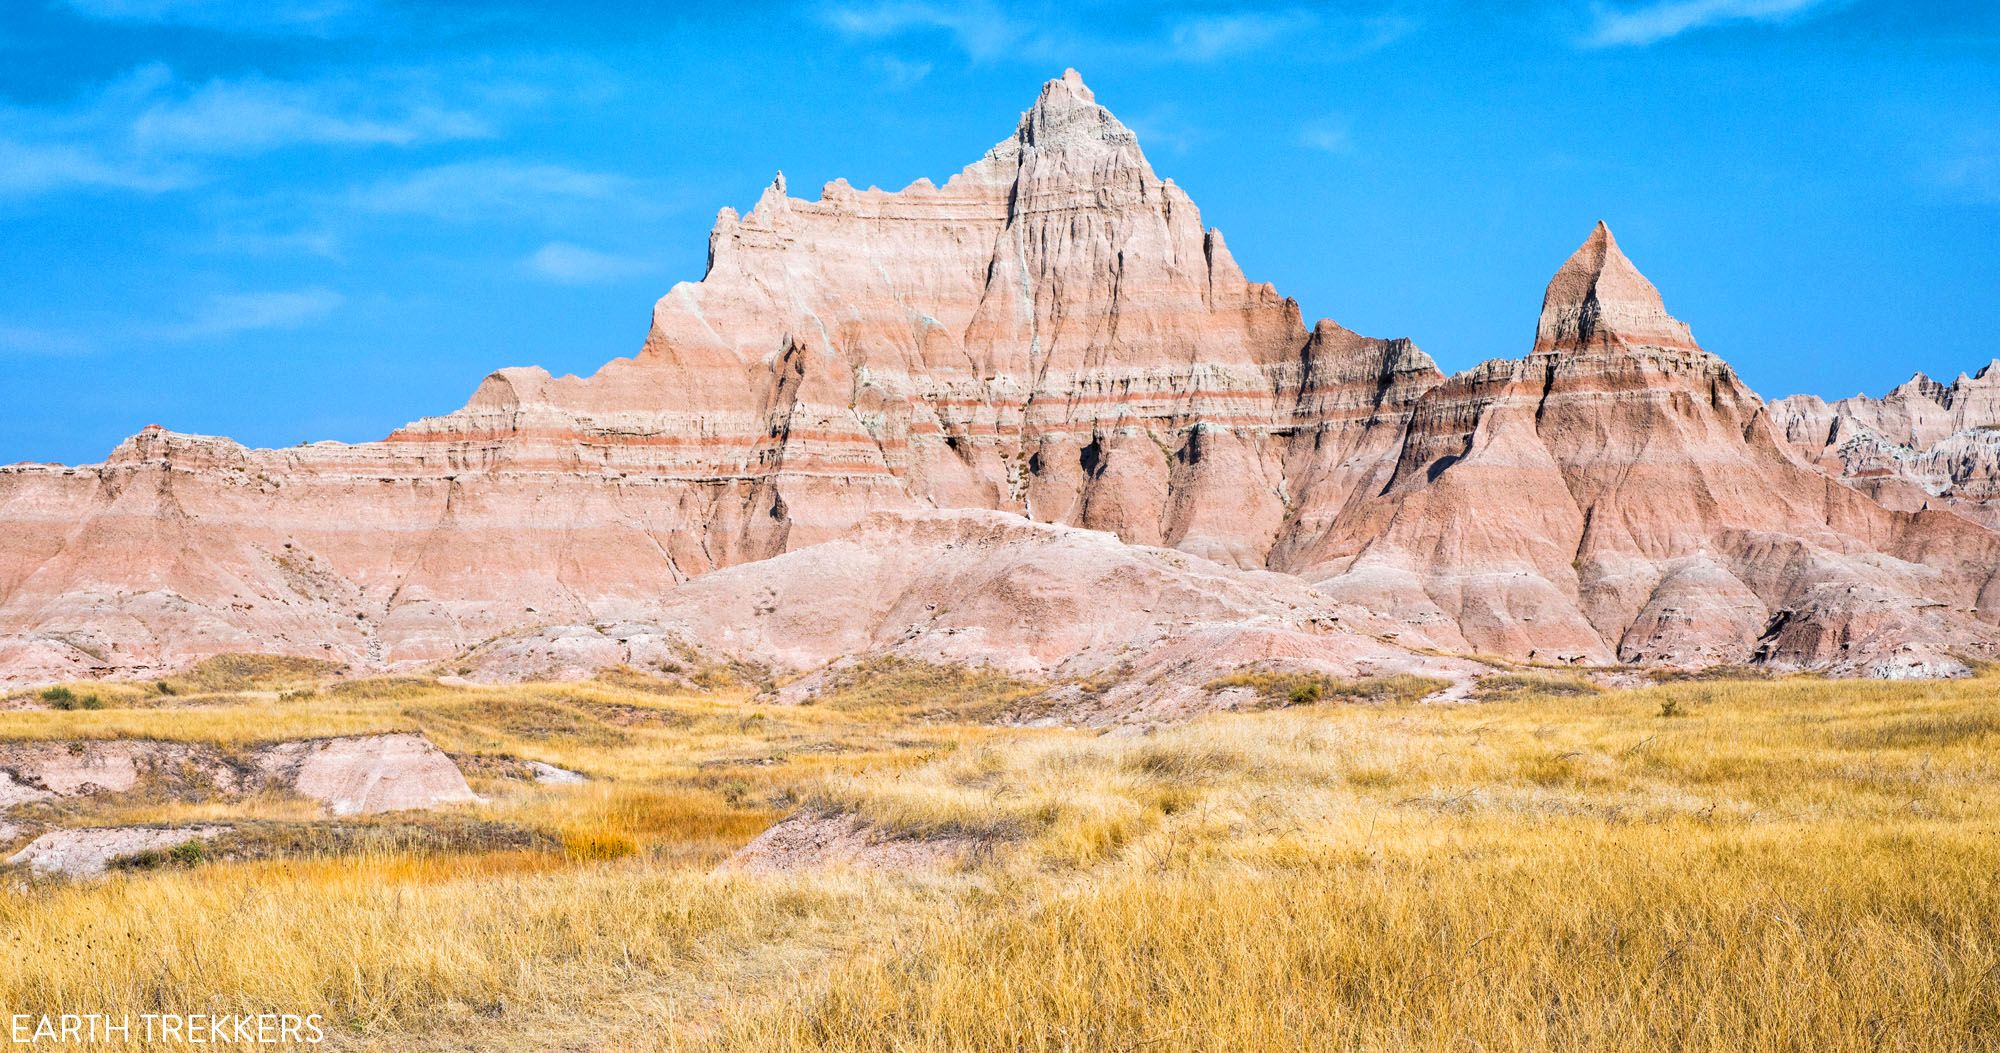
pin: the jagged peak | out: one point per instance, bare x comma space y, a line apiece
1599, 300
1065, 116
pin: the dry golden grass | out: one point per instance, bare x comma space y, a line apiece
1786, 865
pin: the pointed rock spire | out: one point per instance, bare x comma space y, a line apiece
1067, 114
1598, 300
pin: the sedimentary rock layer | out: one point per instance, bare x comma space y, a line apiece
1052, 334
1923, 445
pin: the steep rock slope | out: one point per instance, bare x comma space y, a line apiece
1618, 494
1923, 445
1052, 334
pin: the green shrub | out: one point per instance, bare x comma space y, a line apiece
66, 699
186, 854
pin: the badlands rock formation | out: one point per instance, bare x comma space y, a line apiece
1052, 337
1923, 445
359, 774
90, 852
1155, 625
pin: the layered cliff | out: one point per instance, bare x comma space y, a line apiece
1925, 444
1051, 334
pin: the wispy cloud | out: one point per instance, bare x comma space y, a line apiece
253, 116
986, 31
1971, 169
320, 241
1166, 126
567, 264
227, 314
18, 340
1619, 26
478, 189
147, 131
27, 169
900, 73
981, 30
1205, 38
270, 17
1332, 135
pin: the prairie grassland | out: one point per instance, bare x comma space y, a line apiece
1704, 865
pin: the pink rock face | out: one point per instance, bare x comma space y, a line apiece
993, 589
1052, 335
1923, 445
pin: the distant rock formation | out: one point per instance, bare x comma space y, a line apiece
1923, 445
1052, 334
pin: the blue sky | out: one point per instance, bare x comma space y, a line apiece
286, 220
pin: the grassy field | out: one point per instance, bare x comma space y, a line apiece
1790, 864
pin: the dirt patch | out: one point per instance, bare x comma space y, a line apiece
89, 853
818, 840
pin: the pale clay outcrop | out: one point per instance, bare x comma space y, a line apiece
90, 852
1053, 337
353, 775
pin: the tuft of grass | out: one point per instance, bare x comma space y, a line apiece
247, 672
1711, 673
1298, 689
1515, 687
1789, 865
903, 686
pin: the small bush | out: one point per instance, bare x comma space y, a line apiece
186, 854
65, 699
165, 688
1670, 708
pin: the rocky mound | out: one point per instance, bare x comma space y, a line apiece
353, 775
89, 853
987, 588
1052, 335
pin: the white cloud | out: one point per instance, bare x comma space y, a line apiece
1206, 38
478, 189
560, 261
986, 31
900, 73
1332, 135
147, 131
980, 29
1652, 23
226, 314
27, 169
26, 340
254, 116
304, 17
